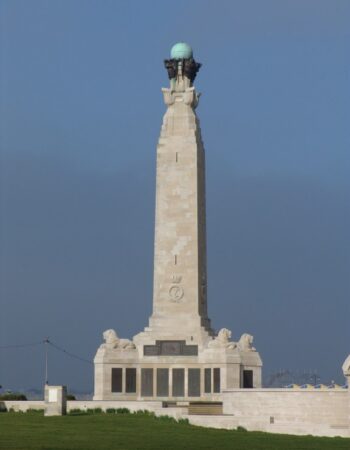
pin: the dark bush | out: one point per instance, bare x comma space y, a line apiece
71, 397
77, 412
184, 421
122, 411
2, 407
12, 396
144, 412
94, 411
166, 419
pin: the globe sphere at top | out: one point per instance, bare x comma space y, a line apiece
181, 50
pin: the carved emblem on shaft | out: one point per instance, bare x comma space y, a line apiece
176, 293
176, 278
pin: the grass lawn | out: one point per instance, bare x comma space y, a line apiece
33, 431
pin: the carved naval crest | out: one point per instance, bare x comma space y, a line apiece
176, 293
176, 279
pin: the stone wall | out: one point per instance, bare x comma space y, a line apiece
293, 411
20, 405
300, 412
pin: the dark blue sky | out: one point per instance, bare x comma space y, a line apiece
80, 115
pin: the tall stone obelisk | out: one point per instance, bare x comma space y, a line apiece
180, 276
178, 356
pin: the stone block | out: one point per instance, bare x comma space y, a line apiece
55, 400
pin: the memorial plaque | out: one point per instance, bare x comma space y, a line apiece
217, 383
117, 379
53, 395
130, 380
194, 382
169, 348
190, 350
147, 382
178, 382
151, 350
207, 381
162, 382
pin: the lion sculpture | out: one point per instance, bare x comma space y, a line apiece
246, 342
223, 340
112, 341
346, 367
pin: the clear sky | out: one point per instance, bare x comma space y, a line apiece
80, 115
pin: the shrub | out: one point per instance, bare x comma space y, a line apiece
122, 411
94, 411
144, 412
77, 411
184, 421
71, 397
111, 410
13, 396
35, 410
166, 419
241, 429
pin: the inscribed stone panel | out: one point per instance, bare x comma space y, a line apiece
178, 382
117, 379
147, 382
194, 382
190, 350
171, 347
207, 381
247, 378
130, 380
217, 382
151, 350
162, 382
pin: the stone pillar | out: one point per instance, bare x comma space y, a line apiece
346, 372
55, 400
180, 275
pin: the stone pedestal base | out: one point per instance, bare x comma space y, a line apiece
55, 400
175, 370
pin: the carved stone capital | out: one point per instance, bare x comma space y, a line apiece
169, 97
190, 97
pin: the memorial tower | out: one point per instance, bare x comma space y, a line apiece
178, 356
180, 277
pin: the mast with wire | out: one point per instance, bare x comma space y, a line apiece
46, 342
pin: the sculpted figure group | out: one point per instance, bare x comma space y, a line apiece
222, 340
112, 341
189, 66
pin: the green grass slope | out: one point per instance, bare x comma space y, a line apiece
33, 431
